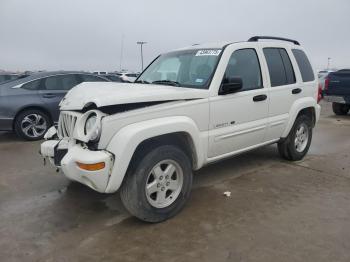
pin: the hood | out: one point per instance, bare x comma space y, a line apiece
109, 93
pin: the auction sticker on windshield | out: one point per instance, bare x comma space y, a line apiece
214, 52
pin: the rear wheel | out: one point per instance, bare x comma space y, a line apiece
32, 124
340, 109
295, 146
158, 184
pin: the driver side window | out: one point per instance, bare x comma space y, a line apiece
244, 63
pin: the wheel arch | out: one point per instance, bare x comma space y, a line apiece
181, 139
130, 140
306, 106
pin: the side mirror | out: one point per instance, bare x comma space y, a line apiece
230, 85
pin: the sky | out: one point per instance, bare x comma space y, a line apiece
101, 35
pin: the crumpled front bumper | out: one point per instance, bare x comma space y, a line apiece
66, 154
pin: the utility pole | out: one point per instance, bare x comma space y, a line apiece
328, 63
141, 43
121, 53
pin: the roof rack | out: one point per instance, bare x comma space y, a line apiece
256, 38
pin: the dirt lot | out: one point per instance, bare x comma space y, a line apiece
278, 211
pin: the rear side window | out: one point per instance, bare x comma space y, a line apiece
279, 65
307, 74
33, 85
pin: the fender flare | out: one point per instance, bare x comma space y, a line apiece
299, 105
125, 142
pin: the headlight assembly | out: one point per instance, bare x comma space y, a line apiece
92, 127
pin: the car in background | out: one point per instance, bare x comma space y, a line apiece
324, 73
29, 106
100, 73
128, 77
337, 91
114, 78
9, 77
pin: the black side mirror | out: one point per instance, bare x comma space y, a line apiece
230, 85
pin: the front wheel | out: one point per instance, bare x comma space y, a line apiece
295, 146
157, 184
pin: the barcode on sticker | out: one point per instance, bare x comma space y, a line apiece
208, 52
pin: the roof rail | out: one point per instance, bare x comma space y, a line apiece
256, 38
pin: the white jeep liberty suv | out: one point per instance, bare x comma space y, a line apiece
189, 108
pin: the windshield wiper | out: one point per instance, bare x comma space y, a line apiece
142, 82
166, 82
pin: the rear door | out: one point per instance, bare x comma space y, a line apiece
54, 88
284, 88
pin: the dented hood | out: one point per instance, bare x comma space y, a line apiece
109, 93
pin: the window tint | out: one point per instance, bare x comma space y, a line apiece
52, 83
69, 81
280, 68
61, 82
287, 66
33, 85
307, 74
91, 78
244, 63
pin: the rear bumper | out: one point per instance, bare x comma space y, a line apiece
336, 99
74, 153
6, 124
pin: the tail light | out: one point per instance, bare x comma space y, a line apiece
326, 83
319, 93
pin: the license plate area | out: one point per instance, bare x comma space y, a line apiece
59, 155
60, 151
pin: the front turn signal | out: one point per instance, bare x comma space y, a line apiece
92, 167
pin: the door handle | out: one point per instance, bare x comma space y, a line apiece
296, 91
49, 95
259, 98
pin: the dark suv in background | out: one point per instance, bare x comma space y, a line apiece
29, 106
337, 91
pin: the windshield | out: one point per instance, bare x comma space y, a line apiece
188, 68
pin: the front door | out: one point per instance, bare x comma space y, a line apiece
239, 120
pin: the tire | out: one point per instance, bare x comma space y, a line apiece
296, 145
340, 109
144, 171
32, 124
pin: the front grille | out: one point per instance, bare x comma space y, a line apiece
66, 123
